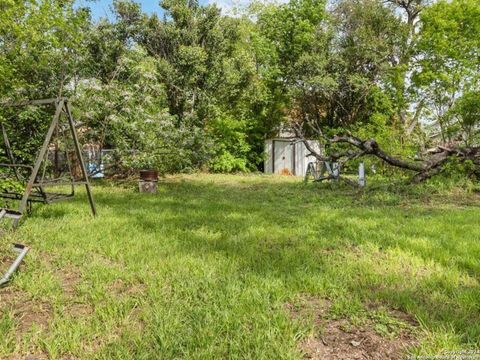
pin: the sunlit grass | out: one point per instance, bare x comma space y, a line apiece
204, 268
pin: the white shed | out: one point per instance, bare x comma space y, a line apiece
288, 157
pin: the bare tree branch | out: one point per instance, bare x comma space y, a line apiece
371, 147
424, 169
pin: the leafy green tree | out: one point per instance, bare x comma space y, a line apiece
40, 46
449, 60
208, 67
40, 52
127, 110
340, 78
466, 111
198, 89
409, 104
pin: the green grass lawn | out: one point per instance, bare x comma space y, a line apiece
212, 266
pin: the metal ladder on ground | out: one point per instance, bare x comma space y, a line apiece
20, 249
6, 213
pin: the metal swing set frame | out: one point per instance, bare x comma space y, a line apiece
35, 187
36, 184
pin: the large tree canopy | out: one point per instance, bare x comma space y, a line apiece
199, 89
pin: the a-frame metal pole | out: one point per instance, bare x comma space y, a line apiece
78, 150
38, 161
8, 150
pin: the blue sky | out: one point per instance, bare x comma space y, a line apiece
101, 8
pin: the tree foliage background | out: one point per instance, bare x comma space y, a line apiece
196, 89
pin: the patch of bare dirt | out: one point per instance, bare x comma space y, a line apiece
5, 262
79, 310
69, 280
27, 312
30, 357
341, 340
9, 296
120, 287
32, 313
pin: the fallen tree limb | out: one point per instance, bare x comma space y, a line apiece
424, 169
371, 147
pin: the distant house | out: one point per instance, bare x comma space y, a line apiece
287, 155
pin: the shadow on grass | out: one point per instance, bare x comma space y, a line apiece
293, 231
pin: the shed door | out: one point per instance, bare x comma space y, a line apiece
268, 163
283, 158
